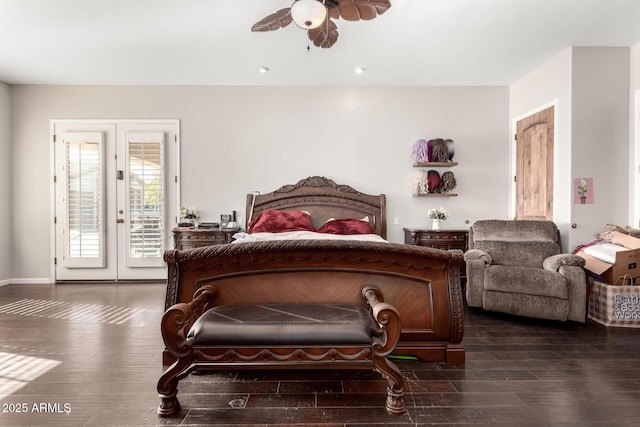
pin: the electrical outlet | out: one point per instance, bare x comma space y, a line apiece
396, 220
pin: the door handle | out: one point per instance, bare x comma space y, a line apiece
120, 221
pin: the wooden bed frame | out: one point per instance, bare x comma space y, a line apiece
422, 283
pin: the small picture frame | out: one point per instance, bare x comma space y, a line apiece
583, 191
225, 219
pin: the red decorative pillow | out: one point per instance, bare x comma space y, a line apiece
346, 226
272, 221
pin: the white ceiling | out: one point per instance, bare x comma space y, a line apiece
209, 42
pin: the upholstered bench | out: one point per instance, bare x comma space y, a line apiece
202, 336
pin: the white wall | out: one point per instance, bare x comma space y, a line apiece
634, 136
6, 258
548, 85
600, 135
590, 88
239, 139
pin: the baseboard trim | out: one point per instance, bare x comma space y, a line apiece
66, 282
25, 282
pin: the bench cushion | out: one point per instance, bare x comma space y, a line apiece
284, 324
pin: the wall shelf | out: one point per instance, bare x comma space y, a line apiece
434, 164
435, 195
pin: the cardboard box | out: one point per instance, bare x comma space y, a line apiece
615, 305
626, 265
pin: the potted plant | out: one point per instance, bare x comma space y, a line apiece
189, 214
582, 191
436, 216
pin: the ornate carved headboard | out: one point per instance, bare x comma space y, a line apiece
323, 199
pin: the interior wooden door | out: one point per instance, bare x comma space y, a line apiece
534, 166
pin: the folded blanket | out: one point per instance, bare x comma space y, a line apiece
604, 251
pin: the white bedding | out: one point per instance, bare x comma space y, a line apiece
303, 235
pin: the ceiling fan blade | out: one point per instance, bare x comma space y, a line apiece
276, 20
355, 10
326, 35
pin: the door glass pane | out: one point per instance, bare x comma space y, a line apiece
145, 199
84, 178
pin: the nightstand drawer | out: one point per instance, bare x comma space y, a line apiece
197, 237
441, 239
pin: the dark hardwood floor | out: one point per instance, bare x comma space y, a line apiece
89, 355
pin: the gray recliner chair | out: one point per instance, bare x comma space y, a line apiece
517, 267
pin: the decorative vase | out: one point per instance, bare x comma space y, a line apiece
435, 225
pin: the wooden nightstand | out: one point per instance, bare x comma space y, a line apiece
440, 239
194, 238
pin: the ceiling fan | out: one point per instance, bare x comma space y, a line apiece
316, 16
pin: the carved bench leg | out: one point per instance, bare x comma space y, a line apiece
395, 389
169, 405
168, 387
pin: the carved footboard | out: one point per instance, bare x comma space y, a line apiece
422, 283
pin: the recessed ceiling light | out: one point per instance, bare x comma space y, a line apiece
360, 70
264, 70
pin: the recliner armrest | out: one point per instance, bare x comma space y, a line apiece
477, 254
554, 262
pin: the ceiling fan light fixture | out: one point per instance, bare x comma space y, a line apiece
308, 14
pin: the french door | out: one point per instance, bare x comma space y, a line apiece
113, 198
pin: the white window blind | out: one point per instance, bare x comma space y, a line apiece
145, 167
84, 178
